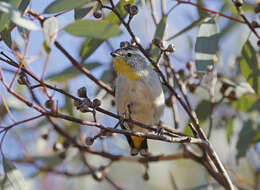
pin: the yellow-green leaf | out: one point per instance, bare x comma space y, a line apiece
93, 29
250, 66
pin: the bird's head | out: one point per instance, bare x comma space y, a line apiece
128, 61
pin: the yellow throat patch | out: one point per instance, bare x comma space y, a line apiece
124, 69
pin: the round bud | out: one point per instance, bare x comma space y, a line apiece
171, 48
254, 24
232, 96
223, 88
133, 10
45, 136
192, 88
258, 43
57, 146
98, 175
113, 102
96, 102
22, 80
168, 101
48, 104
62, 155
181, 72
77, 103
127, 7
82, 92
137, 40
238, 3
257, 8
124, 44
97, 13
66, 143
84, 109
146, 176
157, 42
190, 65
89, 141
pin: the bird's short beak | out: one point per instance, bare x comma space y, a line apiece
114, 54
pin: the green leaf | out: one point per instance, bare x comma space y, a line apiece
6, 36
71, 72
186, 29
64, 5
4, 20
203, 111
14, 175
160, 28
250, 66
91, 44
188, 131
83, 11
230, 128
206, 44
247, 103
159, 33
5, 17
93, 29
245, 138
202, 12
23, 5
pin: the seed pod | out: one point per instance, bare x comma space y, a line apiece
257, 8
127, 7
171, 48
96, 102
181, 72
98, 13
133, 10
22, 80
89, 141
82, 92
223, 88
238, 3
84, 108
57, 146
77, 103
157, 42
62, 155
254, 24
258, 43
124, 44
137, 40
66, 143
98, 175
48, 104
232, 96
146, 176
190, 65
192, 88
45, 136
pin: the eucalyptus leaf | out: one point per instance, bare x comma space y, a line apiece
14, 175
64, 5
71, 72
206, 45
249, 65
93, 29
245, 138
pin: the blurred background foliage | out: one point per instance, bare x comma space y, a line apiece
79, 26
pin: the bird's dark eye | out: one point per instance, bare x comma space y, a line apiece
129, 55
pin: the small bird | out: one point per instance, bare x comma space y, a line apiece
138, 94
